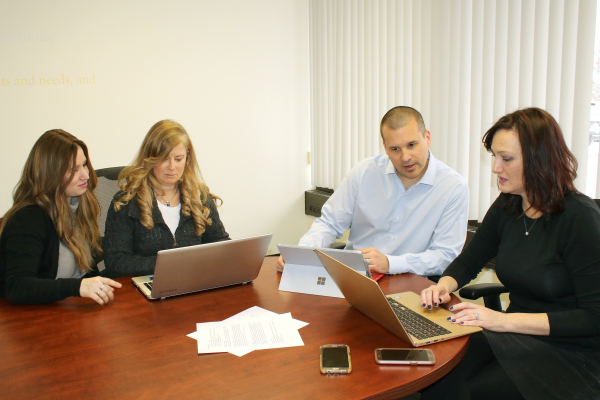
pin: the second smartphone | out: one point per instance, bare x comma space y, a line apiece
335, 359
404, 356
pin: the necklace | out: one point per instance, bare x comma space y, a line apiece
525, 223
169, 201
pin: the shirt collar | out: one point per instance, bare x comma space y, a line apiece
390, 167
428, 178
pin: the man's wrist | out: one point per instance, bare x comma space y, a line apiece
397, 265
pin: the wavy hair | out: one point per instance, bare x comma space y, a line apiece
44, 181
549, 168
139, 180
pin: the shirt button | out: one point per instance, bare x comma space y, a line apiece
396, 217
391, 237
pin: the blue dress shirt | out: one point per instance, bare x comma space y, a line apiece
420, 230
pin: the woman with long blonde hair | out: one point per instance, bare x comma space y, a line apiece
50, 236
163, 203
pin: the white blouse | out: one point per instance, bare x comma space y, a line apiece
171, 216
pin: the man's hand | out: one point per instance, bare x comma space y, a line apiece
378, 261
280, 264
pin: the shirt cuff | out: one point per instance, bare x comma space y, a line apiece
398, 264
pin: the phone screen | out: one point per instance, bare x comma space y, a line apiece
404, 355
335, 357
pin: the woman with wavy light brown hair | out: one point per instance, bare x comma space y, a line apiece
163, 203
50, 236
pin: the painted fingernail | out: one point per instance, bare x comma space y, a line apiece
435, 304
448, 319
453, 320
452, 308
462, 323
424, 305
440, 300
429, 307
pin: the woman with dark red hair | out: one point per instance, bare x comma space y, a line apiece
545, 236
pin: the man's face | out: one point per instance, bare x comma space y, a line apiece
408, 150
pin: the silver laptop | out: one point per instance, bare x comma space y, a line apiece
206, 266
400, 313
304, 272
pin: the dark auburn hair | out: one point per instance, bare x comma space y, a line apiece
549, 168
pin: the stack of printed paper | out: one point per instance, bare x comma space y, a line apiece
252, 329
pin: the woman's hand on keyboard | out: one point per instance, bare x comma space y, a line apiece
470, 314
438, 294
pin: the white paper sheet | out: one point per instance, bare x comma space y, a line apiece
251, 329
255, 312
241, 335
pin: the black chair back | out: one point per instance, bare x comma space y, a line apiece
107, 187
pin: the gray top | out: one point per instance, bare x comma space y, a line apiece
67, 266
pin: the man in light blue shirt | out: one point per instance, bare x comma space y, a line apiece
407, 211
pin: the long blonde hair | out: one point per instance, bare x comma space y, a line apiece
43, 183
139, 180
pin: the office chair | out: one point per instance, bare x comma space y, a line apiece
106, 189
108, 185
489, 291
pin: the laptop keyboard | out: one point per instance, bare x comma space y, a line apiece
415, 324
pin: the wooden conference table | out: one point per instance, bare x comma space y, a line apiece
137, 349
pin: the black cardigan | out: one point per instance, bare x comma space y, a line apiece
130, 249
29, 260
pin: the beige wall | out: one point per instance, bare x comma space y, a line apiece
234, 73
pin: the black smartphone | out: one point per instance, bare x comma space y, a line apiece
335, 359
404, 356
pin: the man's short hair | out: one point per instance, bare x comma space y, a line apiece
399, 117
